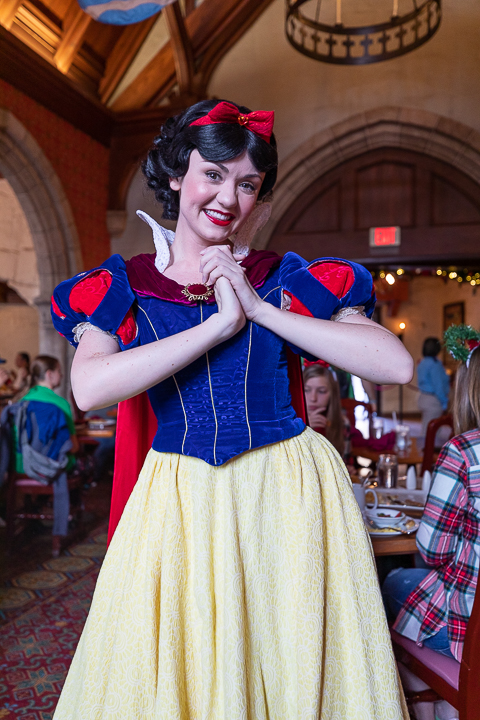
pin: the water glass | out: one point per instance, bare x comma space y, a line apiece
377, 427
387, 470
402, 439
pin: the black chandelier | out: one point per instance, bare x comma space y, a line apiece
343, 45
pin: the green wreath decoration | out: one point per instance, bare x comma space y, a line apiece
456, 339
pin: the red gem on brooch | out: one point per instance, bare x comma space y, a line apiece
197, 291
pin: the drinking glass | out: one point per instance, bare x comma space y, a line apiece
387, 469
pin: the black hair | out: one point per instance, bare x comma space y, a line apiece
170, 154
431, 347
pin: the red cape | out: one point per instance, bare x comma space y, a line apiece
136, 428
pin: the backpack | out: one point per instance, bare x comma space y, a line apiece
36, 463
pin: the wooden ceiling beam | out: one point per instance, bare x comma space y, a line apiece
181, 47
229, 35
189, 7
72, 39
204, 25
122, 55
8, 10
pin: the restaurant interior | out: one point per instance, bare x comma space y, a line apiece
378, 130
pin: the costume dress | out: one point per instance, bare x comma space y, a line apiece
240, 581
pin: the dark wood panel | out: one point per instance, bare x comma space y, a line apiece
436, 206
24, 69
457, 243
323, 214
450, 206
385, 195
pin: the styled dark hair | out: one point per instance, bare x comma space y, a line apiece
170, 154
431, 347
40, 366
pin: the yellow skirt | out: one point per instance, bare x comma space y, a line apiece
241, 592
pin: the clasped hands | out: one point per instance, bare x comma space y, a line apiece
233, 290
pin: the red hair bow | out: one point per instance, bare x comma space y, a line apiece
322, 363
259, 122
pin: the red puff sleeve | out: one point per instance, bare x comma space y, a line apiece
86, 296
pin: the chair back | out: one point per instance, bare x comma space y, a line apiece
349, 405
429, 449
469, 684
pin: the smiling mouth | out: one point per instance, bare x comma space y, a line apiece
219, 218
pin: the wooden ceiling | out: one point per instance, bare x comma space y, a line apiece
95, 57
74, 65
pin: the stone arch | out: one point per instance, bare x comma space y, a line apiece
394, 127
49, 216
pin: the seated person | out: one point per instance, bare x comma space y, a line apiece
325, 414
20, 381
322, 395
432, 606
55, 429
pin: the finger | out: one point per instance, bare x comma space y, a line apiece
224, 249
214, 270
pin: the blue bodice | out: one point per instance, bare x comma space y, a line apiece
236, 396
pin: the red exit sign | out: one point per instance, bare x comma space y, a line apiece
384, 236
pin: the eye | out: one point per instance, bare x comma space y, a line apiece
248, 186
213, 175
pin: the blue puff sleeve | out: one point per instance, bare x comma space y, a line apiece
323, 287
102, 297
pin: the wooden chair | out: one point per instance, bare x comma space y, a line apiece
456, 682
22, 491
28, 499
349, 405
429, 449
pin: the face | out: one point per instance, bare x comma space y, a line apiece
54, 378
216, 198
317, 394
19, 361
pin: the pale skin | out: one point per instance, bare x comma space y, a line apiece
317, 396
215, 201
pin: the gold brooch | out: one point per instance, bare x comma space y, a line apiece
194, 292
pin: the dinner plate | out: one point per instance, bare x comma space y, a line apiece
400, 498
394, 529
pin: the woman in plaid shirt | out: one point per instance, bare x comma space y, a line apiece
432, 607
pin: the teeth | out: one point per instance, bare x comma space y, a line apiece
219, 215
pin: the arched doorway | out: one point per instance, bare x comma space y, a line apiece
50, 219
436, 206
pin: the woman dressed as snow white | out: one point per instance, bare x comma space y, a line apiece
239, 582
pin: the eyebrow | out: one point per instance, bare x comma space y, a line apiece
225, 169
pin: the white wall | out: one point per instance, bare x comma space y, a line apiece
18, 332
264, 72
137, 236
18, 262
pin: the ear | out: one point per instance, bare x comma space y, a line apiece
175, 183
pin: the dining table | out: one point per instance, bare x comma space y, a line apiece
394, 545
413, 456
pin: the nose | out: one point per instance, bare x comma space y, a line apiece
227, 194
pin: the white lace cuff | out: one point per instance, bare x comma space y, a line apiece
79, 329
355, 310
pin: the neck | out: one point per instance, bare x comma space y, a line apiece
184, 266
43, 383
